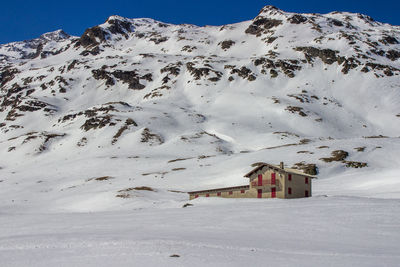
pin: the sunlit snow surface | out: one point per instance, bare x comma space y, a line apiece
318, 231
352, 220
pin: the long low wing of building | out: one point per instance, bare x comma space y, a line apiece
265, 181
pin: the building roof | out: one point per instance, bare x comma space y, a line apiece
221, 189
278, 168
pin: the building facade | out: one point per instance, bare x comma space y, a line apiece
265, 181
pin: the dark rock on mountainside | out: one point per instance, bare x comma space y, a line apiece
309, 168
244, 72
261, 25
7, 74
91, 36
98, 122
129, 77
226, 44
350, 63
103, 75
386, 69
297, 19
132, 78
337, 155
298, 110
125, 127
328, 56
335, 22
172, 68
150, 137
198, 73
119, 27
393, 55
388, 40
288, 67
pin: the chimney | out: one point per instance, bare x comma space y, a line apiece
282, 165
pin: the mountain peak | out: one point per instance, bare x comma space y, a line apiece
116, 17
57, 35
272, 10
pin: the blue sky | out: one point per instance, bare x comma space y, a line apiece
26, 19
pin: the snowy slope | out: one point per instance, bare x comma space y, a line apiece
130, 95
137, 102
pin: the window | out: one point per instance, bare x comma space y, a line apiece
306, 180
207, 195
290, 177
273, 192
230, 192
260, 180
241, 191
219, 194
289, 190
273, 178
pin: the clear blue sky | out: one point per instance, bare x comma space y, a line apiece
27, 19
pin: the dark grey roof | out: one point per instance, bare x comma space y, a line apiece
277, 167
221, 189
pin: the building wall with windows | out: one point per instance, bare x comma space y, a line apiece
297, 186
228, 192
265, 181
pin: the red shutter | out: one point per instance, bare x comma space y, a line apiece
273, 178
207, 195
259, 193
196, 196
230, 192
306, 180
306, 193
242, 191
290, 177
289, 190
219, 194
273, 192
260, 180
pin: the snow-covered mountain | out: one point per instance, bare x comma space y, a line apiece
101, 135
138, 102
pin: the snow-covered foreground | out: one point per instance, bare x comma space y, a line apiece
318, 231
